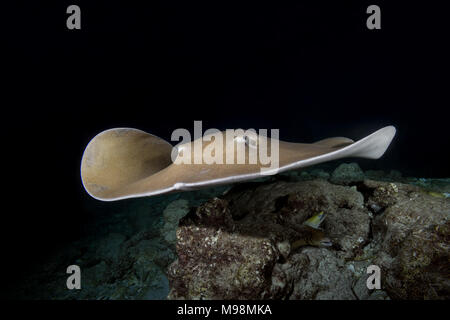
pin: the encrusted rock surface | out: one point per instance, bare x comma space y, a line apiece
228, 262
171, 216
414, 236
237, 247
347, 173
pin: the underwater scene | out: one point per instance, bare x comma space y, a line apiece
232, 156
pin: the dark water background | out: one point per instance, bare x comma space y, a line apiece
312, 70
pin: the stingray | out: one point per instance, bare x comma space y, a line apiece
126, 163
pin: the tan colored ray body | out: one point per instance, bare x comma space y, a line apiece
125, 163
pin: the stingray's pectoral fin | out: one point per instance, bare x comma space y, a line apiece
118, 157
372, 146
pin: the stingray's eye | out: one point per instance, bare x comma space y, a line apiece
250, 141
178, 152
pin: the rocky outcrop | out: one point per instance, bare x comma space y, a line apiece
239, 246
347, 173
242, 243
217, 262
171, 216
414, 237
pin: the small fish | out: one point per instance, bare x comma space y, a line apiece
325, 242
311, 235
437, 194
315, 220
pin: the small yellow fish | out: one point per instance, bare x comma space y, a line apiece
437, 194
311, 235
315, 220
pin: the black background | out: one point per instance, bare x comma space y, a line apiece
311, 69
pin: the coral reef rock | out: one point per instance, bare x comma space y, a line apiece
347, 173
414, 236
238, 246
171, 215
249, 241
